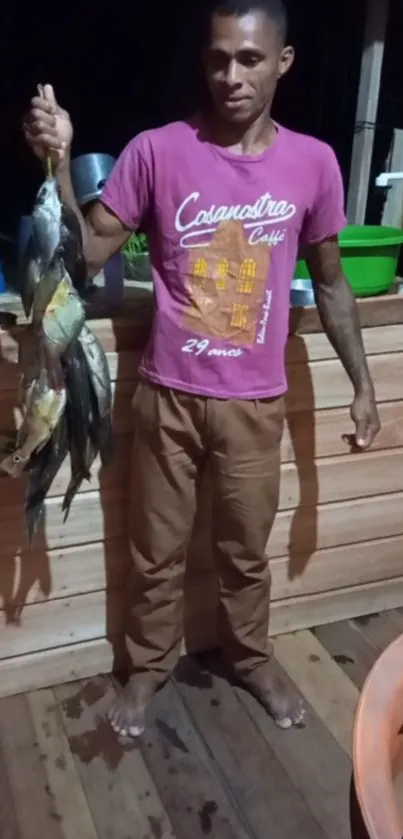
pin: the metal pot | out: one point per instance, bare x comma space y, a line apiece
89, 173
302, 293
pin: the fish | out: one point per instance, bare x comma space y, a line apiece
42, 472
46, 222
65, 394
42, 245
81, 463
79, 405
54, 249
64, 316
91, 421
102, 434
45, 401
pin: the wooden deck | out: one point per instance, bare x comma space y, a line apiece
211, 763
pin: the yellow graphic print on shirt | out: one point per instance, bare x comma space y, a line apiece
226, 283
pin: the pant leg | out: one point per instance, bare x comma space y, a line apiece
164, 469
246, 467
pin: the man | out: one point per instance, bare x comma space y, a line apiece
226, 200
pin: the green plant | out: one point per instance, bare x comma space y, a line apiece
135, 246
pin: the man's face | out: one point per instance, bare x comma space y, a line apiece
243, 63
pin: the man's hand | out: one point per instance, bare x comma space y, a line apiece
47, 128
364, 414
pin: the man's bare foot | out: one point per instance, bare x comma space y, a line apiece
287, 710
127, 712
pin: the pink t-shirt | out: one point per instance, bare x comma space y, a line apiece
224, 232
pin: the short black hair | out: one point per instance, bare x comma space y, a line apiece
275, 10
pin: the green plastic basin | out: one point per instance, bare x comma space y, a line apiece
369, 256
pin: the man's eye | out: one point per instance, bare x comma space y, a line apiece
250, 60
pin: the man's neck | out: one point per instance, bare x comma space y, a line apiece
250, 139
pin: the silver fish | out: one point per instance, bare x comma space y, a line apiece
79, 412
98, 368
45, 401
46, 221
42, 472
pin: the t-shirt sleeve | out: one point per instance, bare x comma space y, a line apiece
127, 192
325, 217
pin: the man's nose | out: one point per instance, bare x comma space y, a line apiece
234, 74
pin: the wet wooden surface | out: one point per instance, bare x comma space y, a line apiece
211, 763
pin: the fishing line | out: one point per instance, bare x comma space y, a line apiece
48, 159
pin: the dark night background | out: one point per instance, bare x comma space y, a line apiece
119, 70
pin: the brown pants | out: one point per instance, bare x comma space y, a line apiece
176, 436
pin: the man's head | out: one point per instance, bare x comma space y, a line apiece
245, 54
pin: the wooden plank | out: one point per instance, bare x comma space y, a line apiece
34, 805
95, 567
349, 649
70, 803
311, 757
342, 567
302, 349
8, 821
107, 513
380, 629
325, 384
326, 607
120, 791
328, 690
382, 310
342, 523
56, 666
57, 574
309, 435
188, 781
367, 109
341, 478
292, 613
59, 623
258, 783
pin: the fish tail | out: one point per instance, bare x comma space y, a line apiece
33, 517
71, 492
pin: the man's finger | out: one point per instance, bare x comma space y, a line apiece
47, 140
38, 116
49, 95
42, 104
